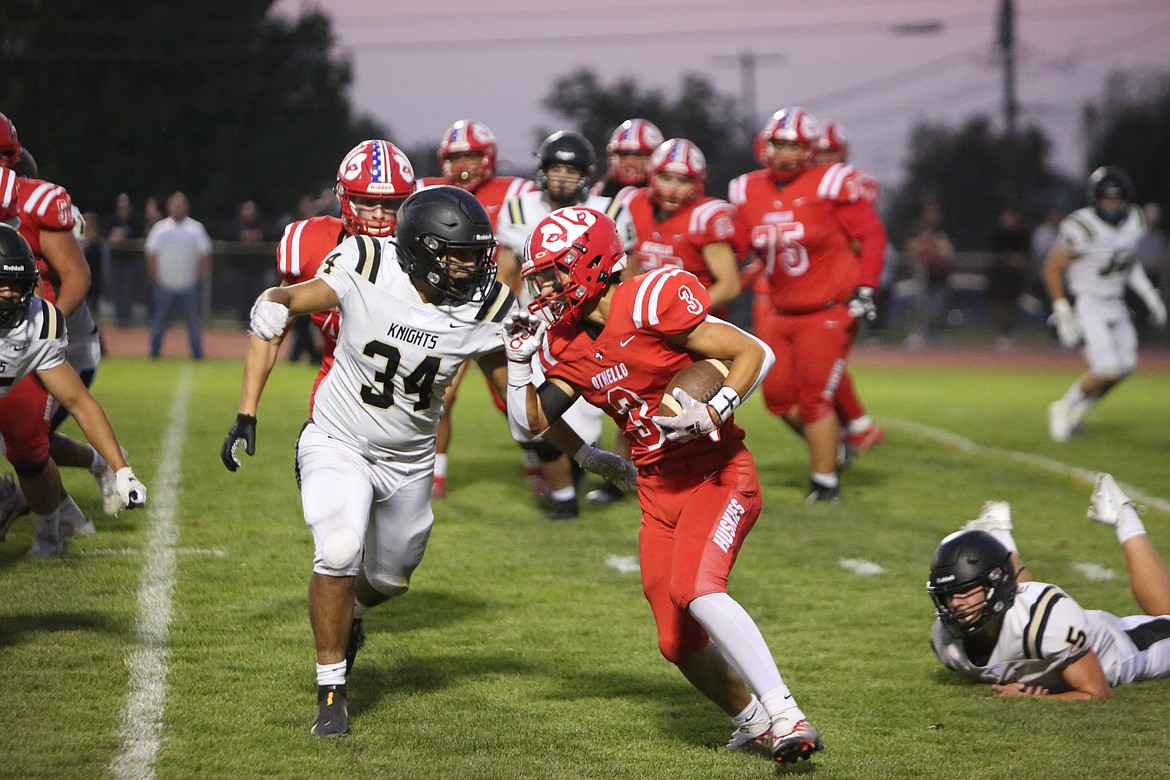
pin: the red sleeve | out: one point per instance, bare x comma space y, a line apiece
52, 207
862, 223
718, 227
670, 301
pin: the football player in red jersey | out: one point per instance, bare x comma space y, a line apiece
373, 180
859, 433
617, 344
820, 243
678, 226
467, 153
627, 155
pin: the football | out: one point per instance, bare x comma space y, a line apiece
701, 379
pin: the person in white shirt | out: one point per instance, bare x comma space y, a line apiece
178, 256
996, 625
1095, 259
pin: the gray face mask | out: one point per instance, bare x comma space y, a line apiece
1113, 216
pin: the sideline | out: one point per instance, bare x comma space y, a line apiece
141, 732
1052, 466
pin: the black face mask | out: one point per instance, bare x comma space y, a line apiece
1113, 216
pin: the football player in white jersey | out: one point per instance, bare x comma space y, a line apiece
1094, 259
413, 309
566, 165
32, 366
996, 625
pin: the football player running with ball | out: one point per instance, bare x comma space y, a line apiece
617, 344
413, 309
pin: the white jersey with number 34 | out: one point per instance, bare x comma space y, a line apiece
396, 354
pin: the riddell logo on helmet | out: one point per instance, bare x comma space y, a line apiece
944, 578
483, 236
17, 268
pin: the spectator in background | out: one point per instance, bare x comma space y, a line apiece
152, 212
119, 228
932, 258
1044, 235
250, 270
178, 256
1011, 246
97, 255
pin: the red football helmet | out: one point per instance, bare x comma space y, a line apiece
570, 258
791, 124
468, 135
633, 136
9, 204
833, 145
379, 171
681, 157
9, 142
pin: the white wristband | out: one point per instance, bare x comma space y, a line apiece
519, 373
725, 403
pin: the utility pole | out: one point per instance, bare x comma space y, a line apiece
1007, 46
747, 62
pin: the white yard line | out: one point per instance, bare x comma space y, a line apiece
1050, 465
141, 732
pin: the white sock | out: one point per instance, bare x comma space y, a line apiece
754, 717
1129, 524
860, 425
564, 494
441, 464
1073, 395
331, 674
48, 526
740, 641
70, 512
826, 480
99, 464
783, 710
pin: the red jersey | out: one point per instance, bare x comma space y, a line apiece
493, 193
299, 254
818, 238
43, 206
625, 370
678, 240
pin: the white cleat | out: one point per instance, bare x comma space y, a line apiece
82, 526
995, 516
1107, 500
12, 503
754, 736
1060, 421
799, 743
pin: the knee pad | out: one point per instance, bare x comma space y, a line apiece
546, 452
340, 550
28, 470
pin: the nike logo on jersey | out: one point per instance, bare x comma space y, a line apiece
626, 341
19, 347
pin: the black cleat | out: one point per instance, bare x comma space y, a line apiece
820, 493
357, 640
564, 510
332, 712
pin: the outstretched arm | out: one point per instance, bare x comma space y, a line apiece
1085, 676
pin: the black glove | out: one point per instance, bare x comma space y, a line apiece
862, 304
244, 430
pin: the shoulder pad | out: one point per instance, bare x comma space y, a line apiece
499, 301
52, 322
369, 260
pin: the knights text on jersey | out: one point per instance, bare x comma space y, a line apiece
519, 216
807, 255
625, 370
396, 354
37, 345
1042, 633
1102, 254
678, 240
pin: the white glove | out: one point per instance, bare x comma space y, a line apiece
1068, 328
268, 319
613, 468
694, 419
132, 492
523, 337
1157, 309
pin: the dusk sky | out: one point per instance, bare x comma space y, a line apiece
418, 70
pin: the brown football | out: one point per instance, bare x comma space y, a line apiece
701, 379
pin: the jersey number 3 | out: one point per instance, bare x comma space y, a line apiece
418, 382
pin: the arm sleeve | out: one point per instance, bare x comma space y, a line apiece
861, 221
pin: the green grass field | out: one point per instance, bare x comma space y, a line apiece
519, 653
